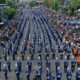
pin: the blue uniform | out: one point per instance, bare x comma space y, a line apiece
27, 74
38, 74
9, 65
17, 73
48, 64
5, 71
29, 63
4, 53
78, 75
59, 75
65, 65
0, 63
57, 64
19, 65
73, 63
40, 63
69, 75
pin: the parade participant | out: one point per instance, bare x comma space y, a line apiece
48, 63
19, 64
73, 64
61, 50
59, 74
53, 55
78, 74
40, 61
0, 63
38, 74
52, 78
5, 54
29, 63
22, 55
69, 74
13, 54
8, 64
27, 74
65, 64
57, 63
31, 50
5, 71
46, 56
17, 71
48, 74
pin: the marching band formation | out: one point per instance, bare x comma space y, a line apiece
42, 42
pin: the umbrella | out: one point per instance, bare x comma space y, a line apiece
75, 22
78, 59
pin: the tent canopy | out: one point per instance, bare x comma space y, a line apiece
75, 22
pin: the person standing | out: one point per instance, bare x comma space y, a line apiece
59, 75
0, 63
8, 64
17, 71
38, 73
5, 71
65, 64
19, 64
69, 75
73, 64
29, 63
78, 74
27, 74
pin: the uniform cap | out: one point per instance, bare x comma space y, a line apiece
38, 57
16, 65
18, 58
58, 68
47, 68
56, 58
28, 58
65, 57
68, 68
7, 58
4, 65
79, 68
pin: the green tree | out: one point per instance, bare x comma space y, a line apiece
9, 12
12, 3
32, 3
2, 1
52, 3
74, 4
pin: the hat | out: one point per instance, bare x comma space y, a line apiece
15, 64
18, 58
27, 66
65, 57
28, 58
8, 58
56, 58
4, 65
79, 68
58, 68
68, 68
38, 57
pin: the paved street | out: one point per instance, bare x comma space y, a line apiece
40, 32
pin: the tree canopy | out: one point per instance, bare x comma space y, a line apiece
71, 5
2, 1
